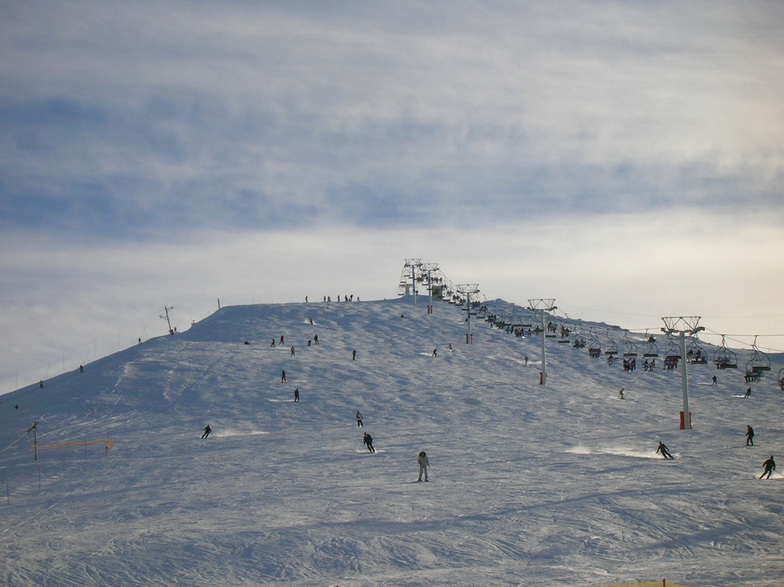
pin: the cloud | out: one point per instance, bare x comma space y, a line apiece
252, 115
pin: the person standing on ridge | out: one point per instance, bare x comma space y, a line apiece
359, 420
207, 431
665, 452
368, 441
749, 436
769, 466
423, 464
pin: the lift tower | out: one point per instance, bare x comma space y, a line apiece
683, 325
542, 305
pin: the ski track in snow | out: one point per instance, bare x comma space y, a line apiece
530, 484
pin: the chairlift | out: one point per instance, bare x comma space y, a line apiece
695, 354
595, 348
566, 330
759, 361
724, 357
650, 349
612, 348
629, 348
671, 349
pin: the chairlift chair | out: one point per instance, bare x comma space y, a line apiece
724, 357
695, 354
612, 348
650, 349
595, 348
759, 361
671, 350
629, 348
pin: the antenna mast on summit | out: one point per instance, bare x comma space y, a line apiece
542, 305
166, 317
683, 325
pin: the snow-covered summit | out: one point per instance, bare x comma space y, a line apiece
555, 484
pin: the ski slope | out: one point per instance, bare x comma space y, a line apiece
529, 485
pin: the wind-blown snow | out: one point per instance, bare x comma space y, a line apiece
530, 484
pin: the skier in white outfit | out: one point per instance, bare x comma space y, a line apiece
423, 463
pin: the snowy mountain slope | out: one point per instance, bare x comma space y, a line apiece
530, 484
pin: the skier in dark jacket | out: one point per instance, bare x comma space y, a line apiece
423, 464
207, 431
769, 466
368, 440
359, 420
665, 452
749, 436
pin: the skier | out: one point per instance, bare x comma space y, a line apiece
769, 466
207, 431
713, 380
281, 340
749, 436
435, 352
525, 358
283, 376
315, 338
292, 351
748, 392
620, 392
423, 464
665, 452
273, 344
368, 440
296, 394
359, 420
354, 355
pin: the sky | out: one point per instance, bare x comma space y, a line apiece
623, 158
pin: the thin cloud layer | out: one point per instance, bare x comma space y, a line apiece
263, 115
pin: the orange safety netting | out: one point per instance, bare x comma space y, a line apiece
648, 584
104, 440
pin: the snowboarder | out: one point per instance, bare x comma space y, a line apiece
283, 376
296, 394
359, 420
620, 392
769, 466
423, 464
748, 392
665, 452
207, 431
435, 352
749, 436
368, 440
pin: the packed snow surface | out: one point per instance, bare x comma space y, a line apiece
530, 484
